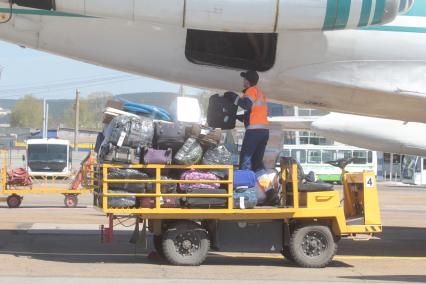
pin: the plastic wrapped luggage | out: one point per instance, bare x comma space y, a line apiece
205, 202
159, 157
121, 201
244, 178
99, 140
221, 113
190, 153
169, 135
130, 131
121, 155
198, 175
128, 174
245, 198
217, 156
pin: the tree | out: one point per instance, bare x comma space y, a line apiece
28, 112
91, 111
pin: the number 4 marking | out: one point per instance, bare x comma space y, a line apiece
369, 182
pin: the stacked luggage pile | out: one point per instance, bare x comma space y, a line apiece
131, 139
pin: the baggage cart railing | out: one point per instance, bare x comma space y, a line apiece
103, 184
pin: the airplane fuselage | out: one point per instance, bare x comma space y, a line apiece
377, 71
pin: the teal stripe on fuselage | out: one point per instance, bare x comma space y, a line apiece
41, 13
365, 13
330, 15
343, 10
378, 12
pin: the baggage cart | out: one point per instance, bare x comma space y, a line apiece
306, 227
71, 186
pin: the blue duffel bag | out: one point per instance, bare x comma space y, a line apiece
245, 198
244, 178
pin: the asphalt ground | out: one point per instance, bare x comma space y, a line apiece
43, 242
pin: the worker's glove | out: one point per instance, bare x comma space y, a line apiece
232, 97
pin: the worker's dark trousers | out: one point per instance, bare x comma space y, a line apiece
253, 149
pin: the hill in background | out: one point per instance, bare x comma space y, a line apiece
59, 108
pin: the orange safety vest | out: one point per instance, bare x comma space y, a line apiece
259, 110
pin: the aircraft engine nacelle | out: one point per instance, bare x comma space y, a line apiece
263, 16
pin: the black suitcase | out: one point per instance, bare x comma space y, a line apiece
169, 136
120, 155
205, 202
221, 113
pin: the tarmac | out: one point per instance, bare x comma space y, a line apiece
43, 242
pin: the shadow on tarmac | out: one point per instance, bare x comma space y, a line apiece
45, 207
388, 278
393, 242
86, 247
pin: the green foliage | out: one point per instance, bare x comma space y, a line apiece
91, 111
28, 112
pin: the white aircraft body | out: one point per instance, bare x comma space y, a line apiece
385, 135
363, 57
306, 56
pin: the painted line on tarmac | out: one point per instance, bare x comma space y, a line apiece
337, 257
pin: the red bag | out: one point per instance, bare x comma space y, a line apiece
19, 177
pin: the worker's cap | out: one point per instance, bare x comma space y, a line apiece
251, 76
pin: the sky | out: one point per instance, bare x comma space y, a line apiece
27, 71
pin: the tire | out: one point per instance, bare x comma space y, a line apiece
14, 201
71, 201
312, 246
158, 244
186, 243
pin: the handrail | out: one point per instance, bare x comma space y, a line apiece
158, 182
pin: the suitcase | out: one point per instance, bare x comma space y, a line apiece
169, 135
207, 136
130, 131
128, 174
205, 202
121, 201
165, 187
217, 156
244, 178
165, 201
221, 113
198, 175
121, 155
245, 198
99, 140
190, 154
159, 157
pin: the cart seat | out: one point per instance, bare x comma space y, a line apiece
315, 187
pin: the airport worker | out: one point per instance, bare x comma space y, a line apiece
255, 119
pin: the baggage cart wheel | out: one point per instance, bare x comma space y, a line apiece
158, 244
71, 200
186, 243
312, 246
14, 201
